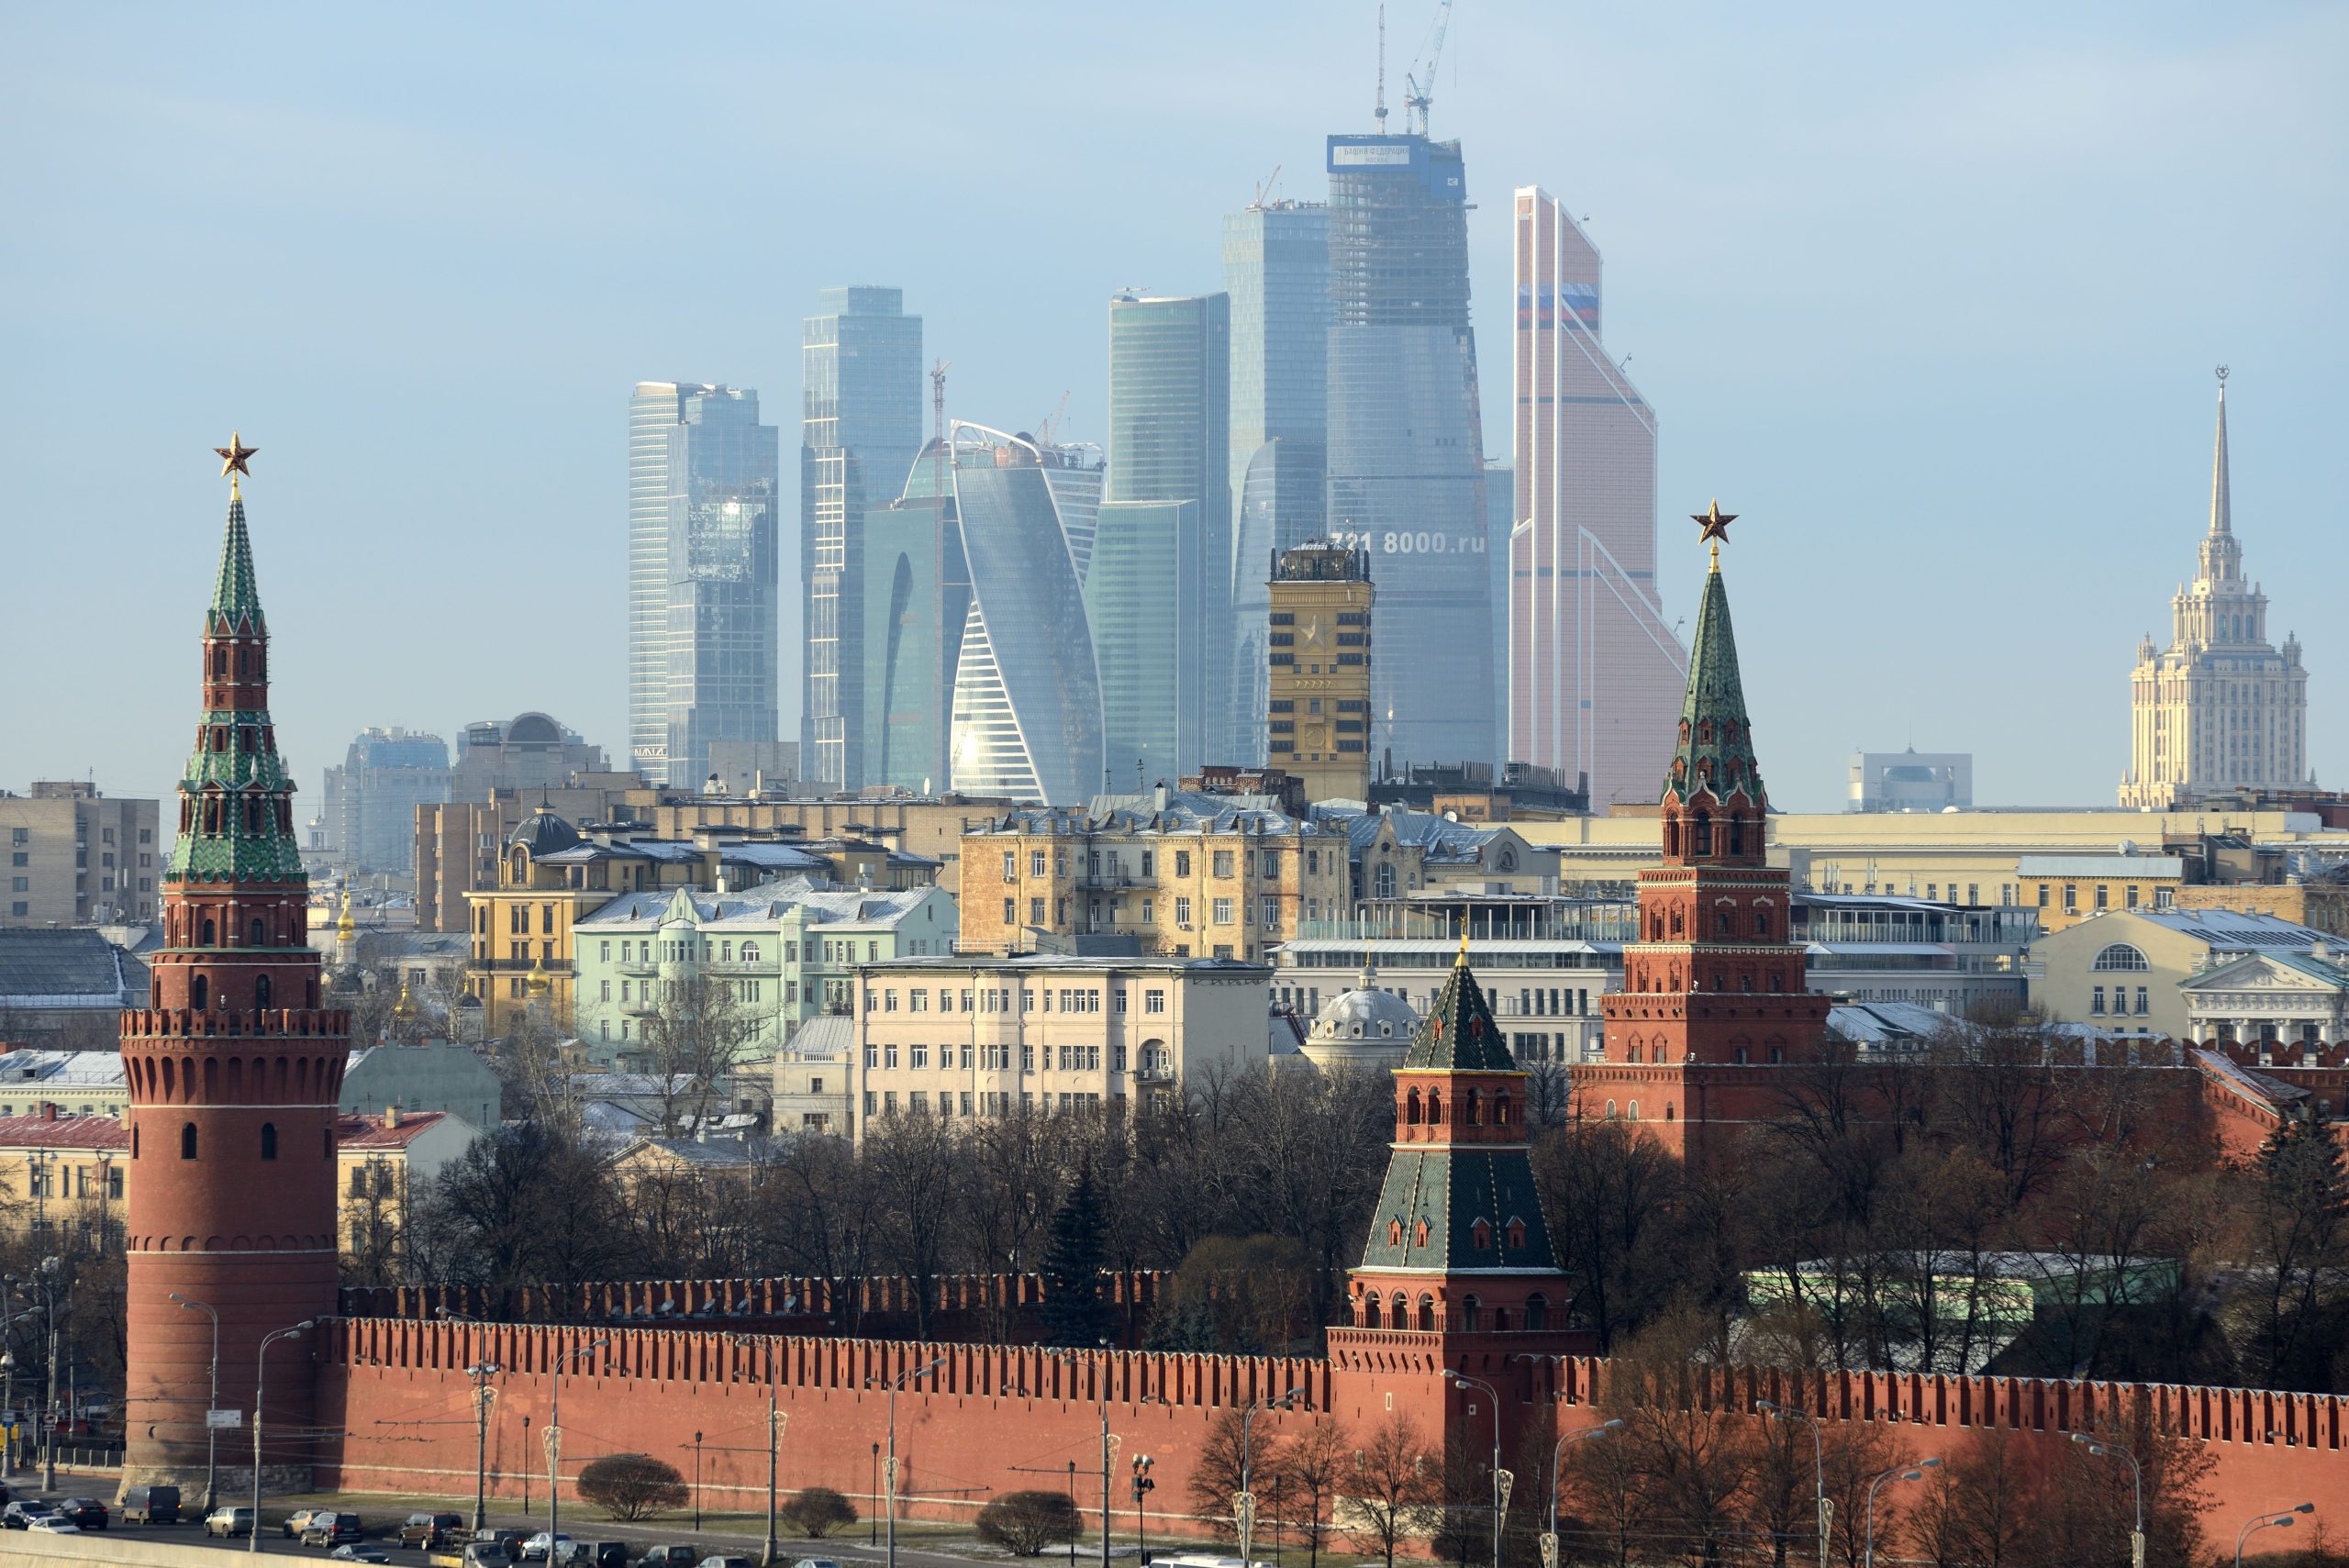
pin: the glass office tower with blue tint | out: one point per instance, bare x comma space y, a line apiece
860, 427
1407, 481
1276, 270
1026, 718
916, 596
1170, 421
703, 576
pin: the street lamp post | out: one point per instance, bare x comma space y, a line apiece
1243, 1506
696, 1483
1143, 1486
261, 1376
1557, 1460
1500, 1487
2105, 1448
554, 1447
2267, 1521
889, 1469
1898, 1473
776, 1421
1818, 1467
1069, 1357
481, 1373
211, 1432
8, 1440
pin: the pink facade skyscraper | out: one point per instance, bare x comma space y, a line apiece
1596, 671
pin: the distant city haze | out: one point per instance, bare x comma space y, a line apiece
1930, 300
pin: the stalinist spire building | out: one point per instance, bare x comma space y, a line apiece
2220, 708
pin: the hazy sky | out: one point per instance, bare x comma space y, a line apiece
1931, 296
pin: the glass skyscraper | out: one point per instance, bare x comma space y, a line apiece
860, 428
916, 596
1596, 673
1027, 692
703, 576
1169, 391
1276, 270
1407, 477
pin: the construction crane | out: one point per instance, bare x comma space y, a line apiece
1051, 423
938, 424
1264, 190
1416, 96
1380, 113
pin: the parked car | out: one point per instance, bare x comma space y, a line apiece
816, 1563
600, 1554
674, 1557
534, 1549
430, 1531
333, 1530
716, 1561
53, 1524
488, 1554
151, 1505
354, 1551
87, 1512
299, 1520
20, 1515
227, 1521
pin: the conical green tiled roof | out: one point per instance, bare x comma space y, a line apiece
1716, 742
1459, 1033
236, 596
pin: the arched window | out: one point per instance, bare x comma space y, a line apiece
1704, 835
261, 991
269, 1140
1476, 1107
1412, 1107
188, 1140
134, 1141
1471, 1314
209, 939
329, 1142
1667, 1110
260, 934
1370, 1311
1420, 1234
1736, 834
749, 952
1537, 1311
199, 992
219, 663
1383, 882
1394, 1232
2120, 955
1762, 922
1516, 1235
1671, 835
1610, 1110
1635, 1110
1426, 1314
1435, 1106
1500, 1109
1480, 1237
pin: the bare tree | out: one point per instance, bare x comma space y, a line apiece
693, 1038
917, 1164
1392, 1490
1317, 1463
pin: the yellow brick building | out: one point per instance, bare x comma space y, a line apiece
1319, 650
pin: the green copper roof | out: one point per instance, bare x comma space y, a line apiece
1716, 742
1459, 1033
236, 596
1450, 1190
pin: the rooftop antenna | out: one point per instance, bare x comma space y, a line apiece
1379, 114
938, 424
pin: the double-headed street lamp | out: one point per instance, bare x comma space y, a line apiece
2104, 1448
1898, 1473
2282, 1520
1818, 1466
554, 1445
1069, 1359
211, 1432
261, 1377
889, 1469
484, 1397
1502, 1479
1557, 1460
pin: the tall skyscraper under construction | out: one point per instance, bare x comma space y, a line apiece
861, 427
1596, 671
1407, 479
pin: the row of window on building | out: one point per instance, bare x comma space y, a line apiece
1070, 999
997, 1058
993, 1103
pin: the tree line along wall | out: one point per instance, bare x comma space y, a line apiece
394, 1400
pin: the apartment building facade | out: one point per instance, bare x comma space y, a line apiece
76, 856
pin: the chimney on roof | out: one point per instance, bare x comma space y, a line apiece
48, 1110
391, 1115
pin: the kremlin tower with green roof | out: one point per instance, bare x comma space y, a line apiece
234, 1068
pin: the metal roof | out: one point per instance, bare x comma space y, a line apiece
2153, 867
70, 968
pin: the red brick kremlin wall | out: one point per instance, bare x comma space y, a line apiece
1003, 1418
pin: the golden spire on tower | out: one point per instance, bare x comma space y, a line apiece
233, 458
1713, 525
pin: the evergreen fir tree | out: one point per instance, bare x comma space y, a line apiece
1075, 1313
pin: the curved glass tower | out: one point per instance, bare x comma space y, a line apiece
1027, 691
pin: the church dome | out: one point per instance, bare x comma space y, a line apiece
542, 833
1364, 1027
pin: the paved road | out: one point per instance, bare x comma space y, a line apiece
732, 1536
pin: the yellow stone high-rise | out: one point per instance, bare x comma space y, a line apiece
2220, 708
1318, 648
